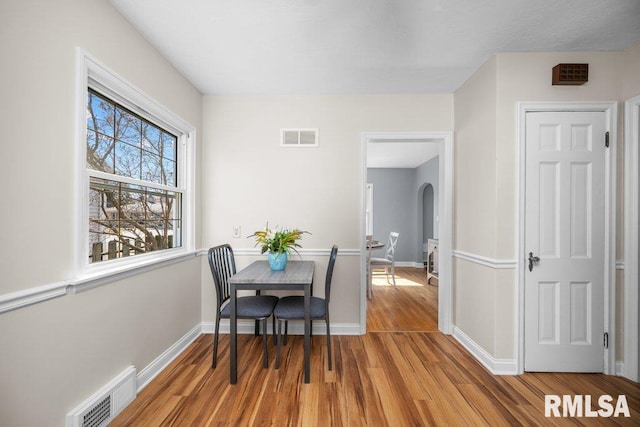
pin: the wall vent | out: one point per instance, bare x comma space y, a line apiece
570, 74
101, 408
299, 137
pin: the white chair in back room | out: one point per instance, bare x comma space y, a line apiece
388, 262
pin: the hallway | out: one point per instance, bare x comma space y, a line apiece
411, 306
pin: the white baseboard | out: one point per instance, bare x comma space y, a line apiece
295, 328
144, 377
119, 393
495, 366
155, 367
500, 366
409, 264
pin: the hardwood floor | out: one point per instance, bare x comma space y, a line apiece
410, 306
386, 378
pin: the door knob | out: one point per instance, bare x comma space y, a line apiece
532, 260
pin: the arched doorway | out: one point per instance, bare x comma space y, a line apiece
428, 214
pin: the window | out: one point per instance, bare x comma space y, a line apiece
136, 170
134, 204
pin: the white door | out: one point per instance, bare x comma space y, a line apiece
564, 241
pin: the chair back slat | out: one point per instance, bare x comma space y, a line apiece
327, 282
391, 245
223, 266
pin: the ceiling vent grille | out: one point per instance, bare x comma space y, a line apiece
299, 137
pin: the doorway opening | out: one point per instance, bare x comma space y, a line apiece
399, 144
409, 306
428, 213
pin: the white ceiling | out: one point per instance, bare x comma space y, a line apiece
311, 47
366, 46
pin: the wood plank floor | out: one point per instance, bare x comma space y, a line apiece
386, 378
410, 306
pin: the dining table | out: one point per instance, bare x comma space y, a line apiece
297, 275
374, 244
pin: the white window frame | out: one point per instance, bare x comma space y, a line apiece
91, 73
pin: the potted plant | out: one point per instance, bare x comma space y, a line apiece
278, 243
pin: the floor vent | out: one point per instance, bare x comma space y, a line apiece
101, 408
98, 415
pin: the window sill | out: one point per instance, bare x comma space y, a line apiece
107, 275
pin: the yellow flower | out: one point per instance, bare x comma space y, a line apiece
278, 240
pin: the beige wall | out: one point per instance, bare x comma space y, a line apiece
475, 205
475, 162
505, 80
631, 73
249, 179
57, 353
526, 77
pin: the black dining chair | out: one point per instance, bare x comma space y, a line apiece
292, 308
258, 307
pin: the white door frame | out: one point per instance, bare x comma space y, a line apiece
445, 225
611, 111
631, 369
